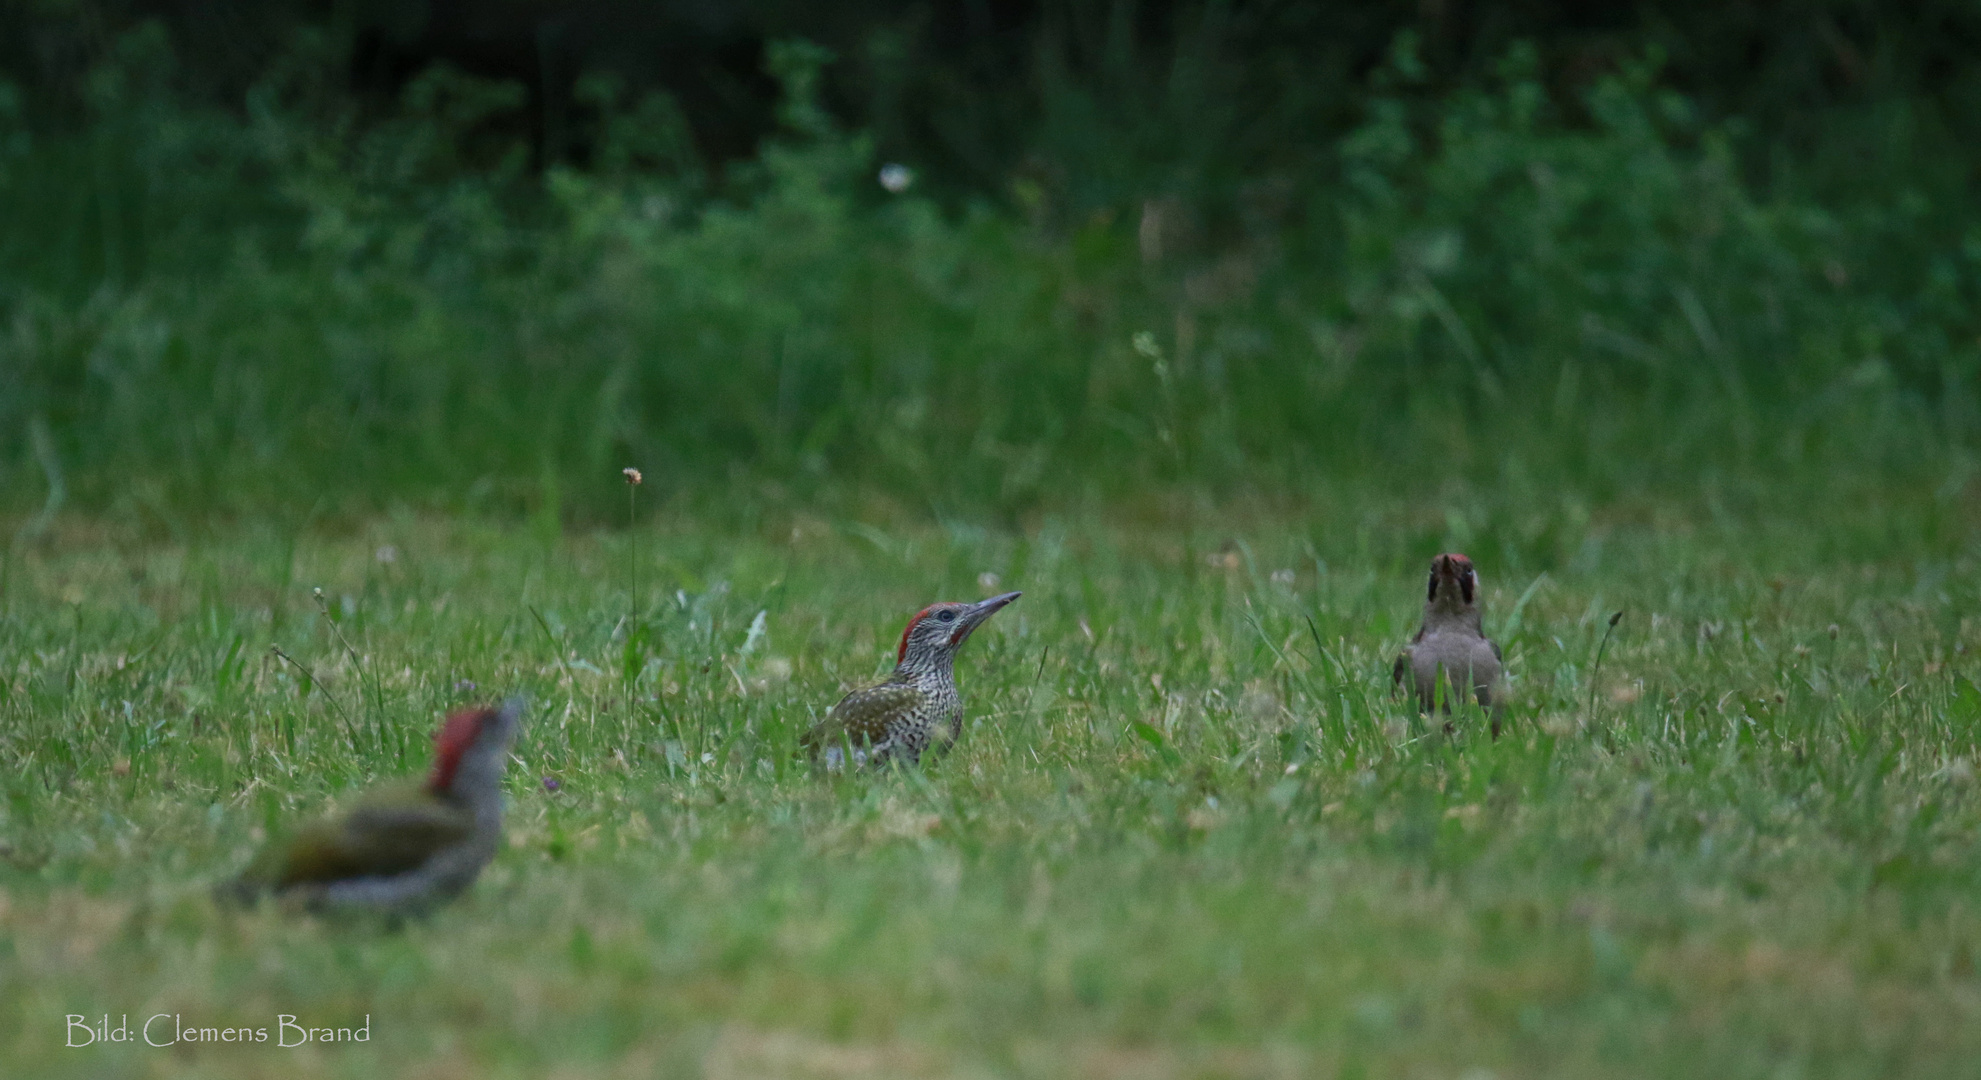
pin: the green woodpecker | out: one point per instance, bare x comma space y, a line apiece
404, 847
914, 708
1452, 643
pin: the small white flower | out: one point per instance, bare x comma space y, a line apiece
988, 581
896, 177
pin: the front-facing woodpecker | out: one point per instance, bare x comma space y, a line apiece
400, 848
914, 708
1451, 646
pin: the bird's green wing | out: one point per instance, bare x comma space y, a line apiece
861, 717
389, 831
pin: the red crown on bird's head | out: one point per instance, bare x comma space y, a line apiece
452, 740
901, 651
963, 617
1458, 567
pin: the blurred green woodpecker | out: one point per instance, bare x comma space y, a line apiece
1451, 657
401, 848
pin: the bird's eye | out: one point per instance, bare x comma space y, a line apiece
946, 616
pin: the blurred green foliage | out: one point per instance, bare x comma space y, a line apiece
317, 299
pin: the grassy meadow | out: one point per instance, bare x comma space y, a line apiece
318, 369
1187, 832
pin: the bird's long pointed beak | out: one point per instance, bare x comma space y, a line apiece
508, 721
983, 610
991, 607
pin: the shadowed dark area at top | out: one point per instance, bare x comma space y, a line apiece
476, 256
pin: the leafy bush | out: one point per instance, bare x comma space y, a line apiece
305, 304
